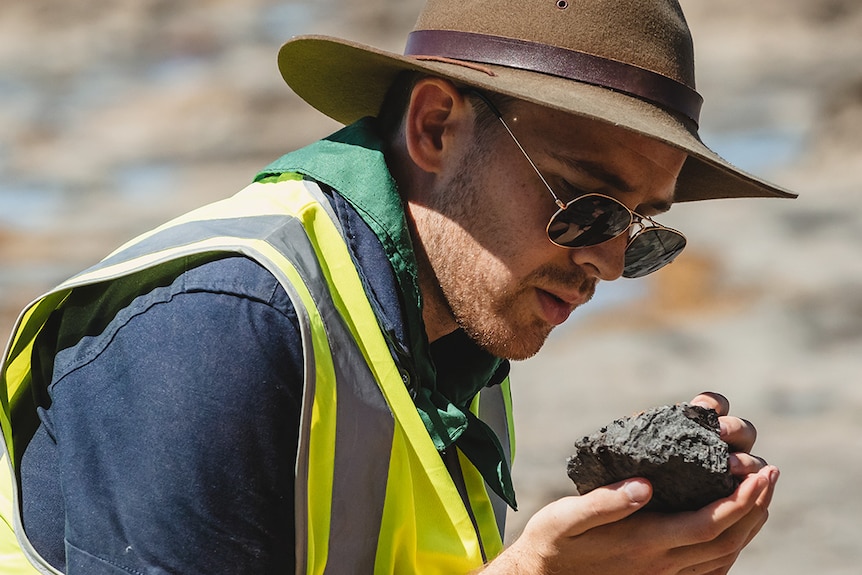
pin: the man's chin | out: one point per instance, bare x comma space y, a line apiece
515, 345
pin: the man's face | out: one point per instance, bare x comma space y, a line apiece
483, 234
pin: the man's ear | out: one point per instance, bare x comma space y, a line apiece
437, 112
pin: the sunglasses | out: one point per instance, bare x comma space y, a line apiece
591, 219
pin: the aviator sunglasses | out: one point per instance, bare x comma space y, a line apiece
591, 219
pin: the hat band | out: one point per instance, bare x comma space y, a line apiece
556, 61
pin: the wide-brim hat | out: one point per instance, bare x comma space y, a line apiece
629, 64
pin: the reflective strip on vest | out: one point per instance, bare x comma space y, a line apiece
373, 495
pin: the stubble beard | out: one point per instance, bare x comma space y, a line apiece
470, 281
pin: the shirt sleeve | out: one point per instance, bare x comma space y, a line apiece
176, 429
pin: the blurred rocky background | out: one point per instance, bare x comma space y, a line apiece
115, 116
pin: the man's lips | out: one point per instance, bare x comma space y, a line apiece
557, 307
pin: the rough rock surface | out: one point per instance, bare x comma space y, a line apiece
676, 447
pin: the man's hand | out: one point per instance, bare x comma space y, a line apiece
599, 532
738, 433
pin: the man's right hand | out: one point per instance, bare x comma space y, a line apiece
599, 533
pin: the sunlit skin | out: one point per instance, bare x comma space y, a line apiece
478, 213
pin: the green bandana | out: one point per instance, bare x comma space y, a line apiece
351, 161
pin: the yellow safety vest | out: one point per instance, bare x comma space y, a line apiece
373, 495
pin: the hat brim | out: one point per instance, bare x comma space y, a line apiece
347, 80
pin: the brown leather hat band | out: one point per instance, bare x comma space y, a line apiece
580, 66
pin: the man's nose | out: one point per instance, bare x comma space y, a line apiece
605, 260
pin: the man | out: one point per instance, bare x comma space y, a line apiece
312, 376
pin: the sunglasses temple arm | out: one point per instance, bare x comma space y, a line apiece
557, 200
497, 113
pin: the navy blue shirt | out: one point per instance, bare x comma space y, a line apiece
180, 459
177, 419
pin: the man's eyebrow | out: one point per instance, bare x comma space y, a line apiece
599, 172
594, 170
659, 207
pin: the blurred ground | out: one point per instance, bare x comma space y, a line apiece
115, 116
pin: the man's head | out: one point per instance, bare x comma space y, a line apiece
479, 210
597, 98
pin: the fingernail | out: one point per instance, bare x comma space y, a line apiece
722, 429
735, 464
774, 475
638, 491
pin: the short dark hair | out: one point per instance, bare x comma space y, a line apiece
394, 105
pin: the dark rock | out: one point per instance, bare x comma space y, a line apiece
677, 448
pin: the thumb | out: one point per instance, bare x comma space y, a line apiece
605, 505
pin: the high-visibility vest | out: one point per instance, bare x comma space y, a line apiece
373, 495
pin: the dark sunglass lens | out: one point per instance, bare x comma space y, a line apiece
650, 250
588, 221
